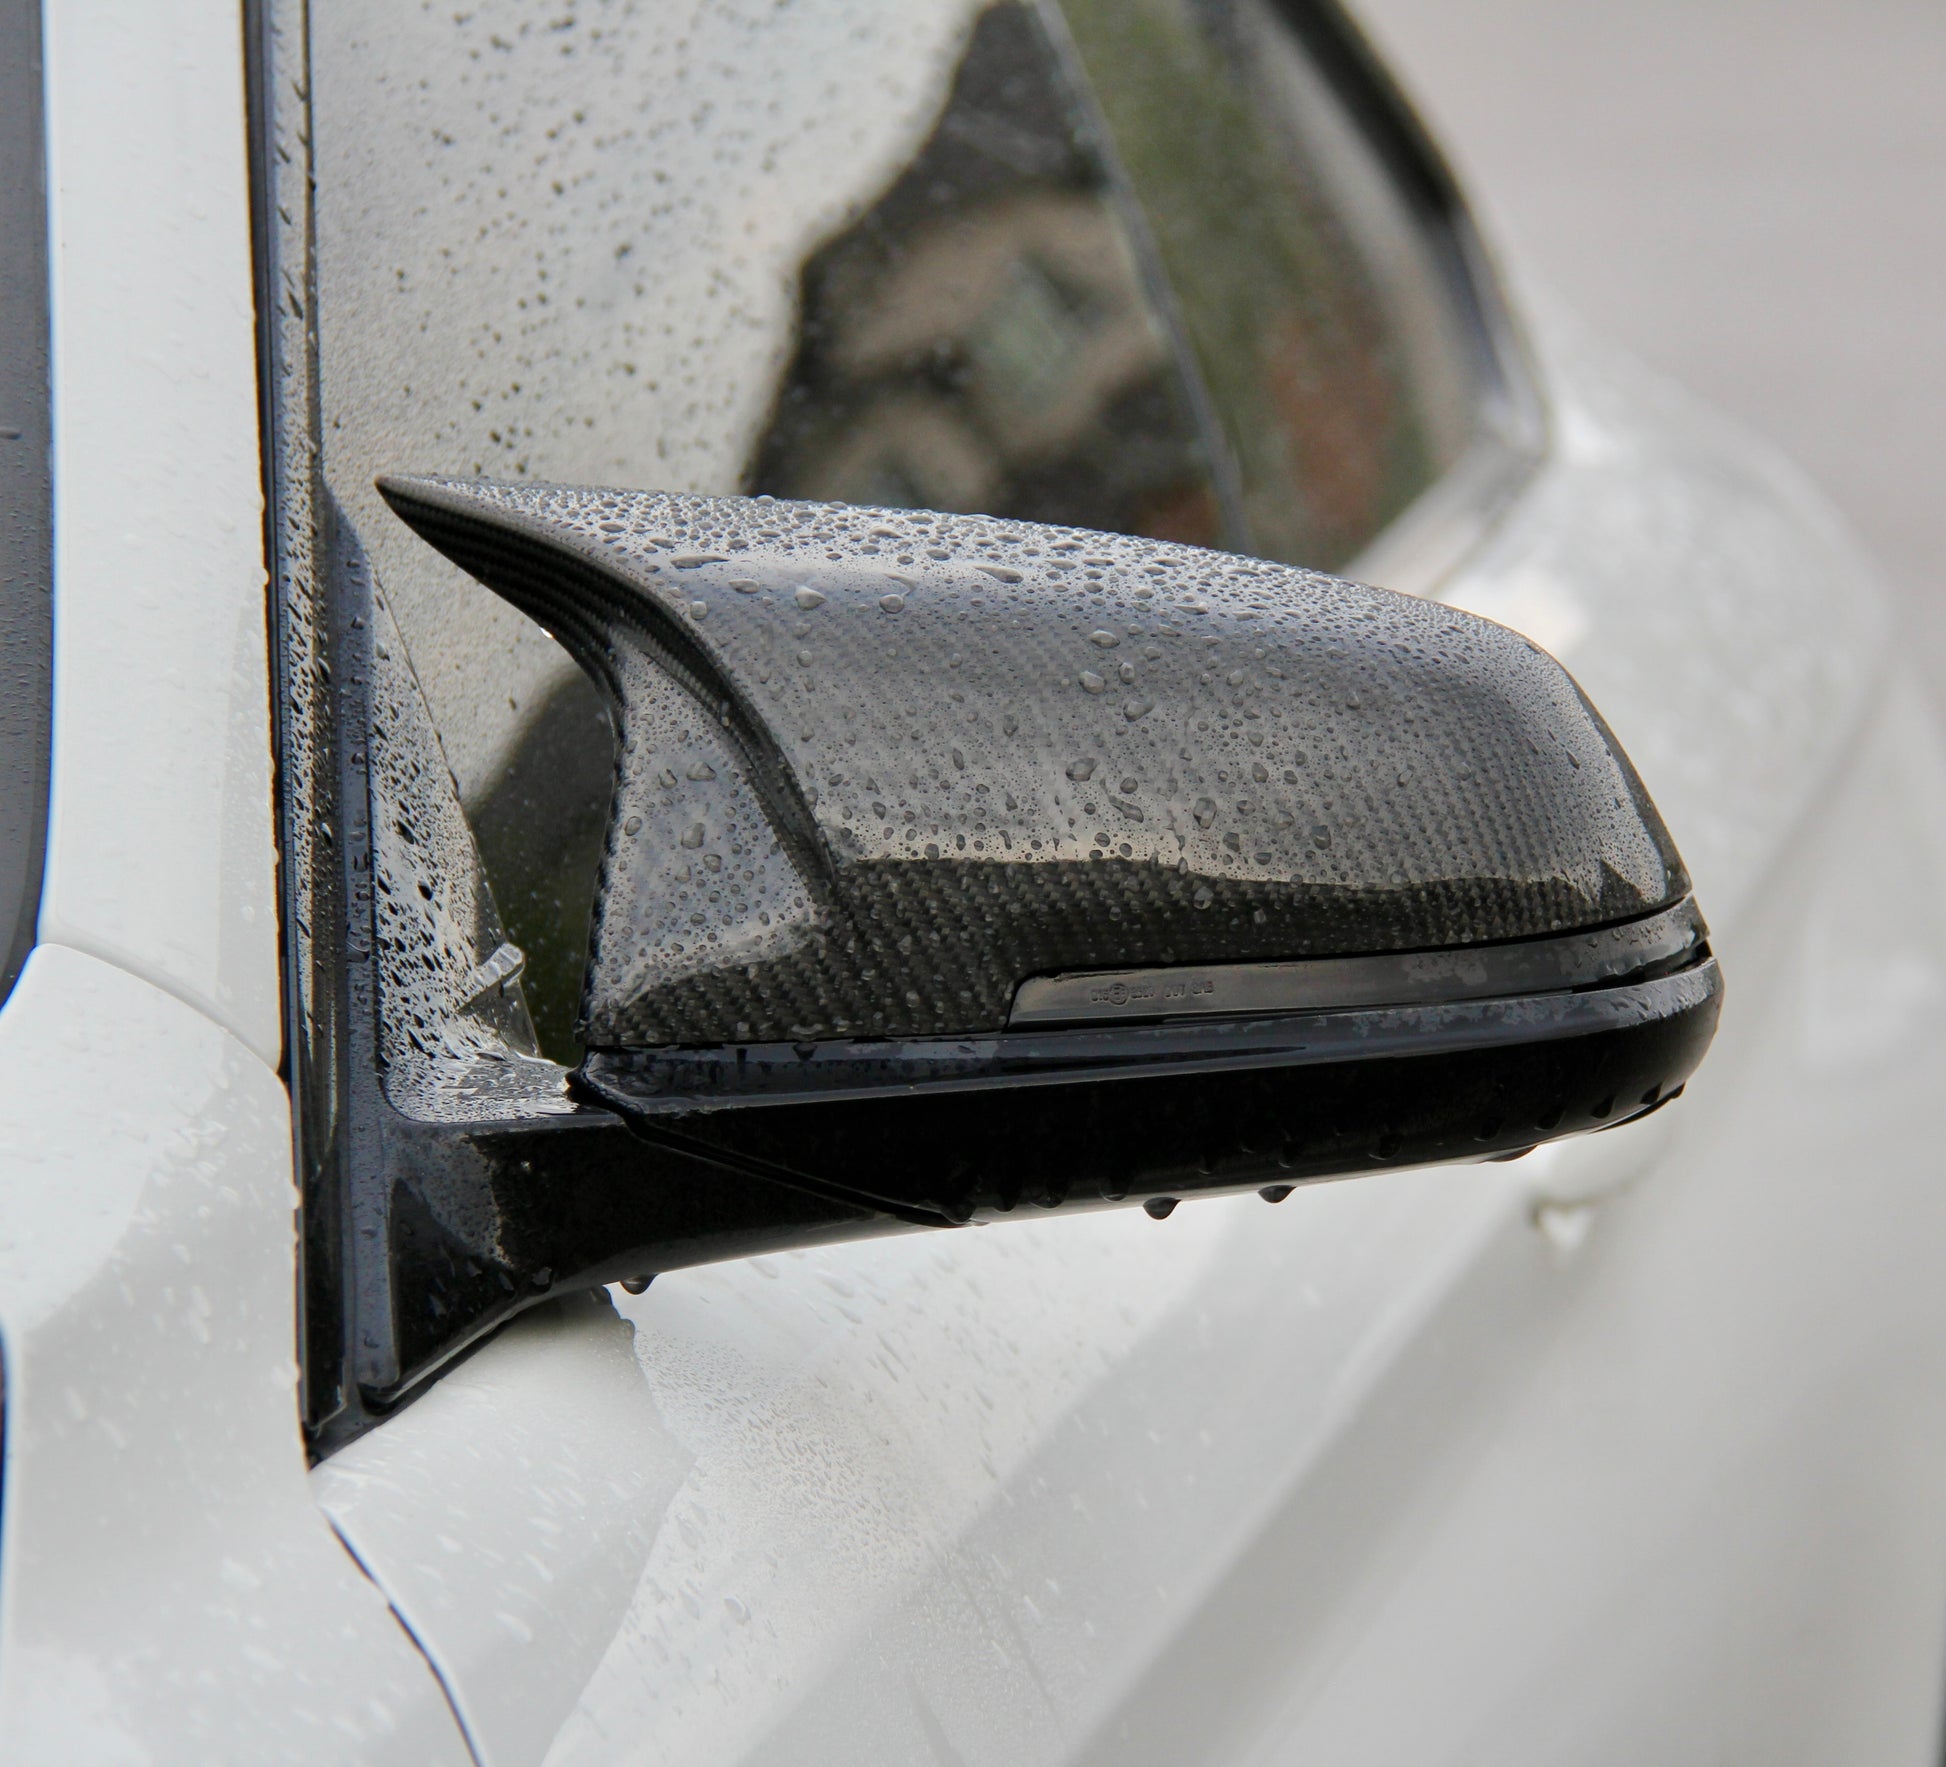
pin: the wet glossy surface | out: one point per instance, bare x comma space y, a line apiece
167, 1589
1480, 973
1550, 1391
959, 255
877, 768
1182, 1110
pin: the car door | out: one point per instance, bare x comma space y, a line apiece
1436, 1463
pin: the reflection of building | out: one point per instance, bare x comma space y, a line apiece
983, 337
993, 348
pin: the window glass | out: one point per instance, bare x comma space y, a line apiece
26, 488
984, 338
567, 245
1332, 353
1126, 264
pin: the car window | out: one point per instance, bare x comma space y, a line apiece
26, 489
1335, 360
1127, 264
994, 333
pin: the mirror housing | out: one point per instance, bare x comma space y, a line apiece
959, 865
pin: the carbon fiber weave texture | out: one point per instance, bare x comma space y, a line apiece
876, 767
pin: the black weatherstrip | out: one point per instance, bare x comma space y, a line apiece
26, 487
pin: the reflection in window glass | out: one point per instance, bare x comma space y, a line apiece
1309, 295
983, 340
1123, 264
566, 244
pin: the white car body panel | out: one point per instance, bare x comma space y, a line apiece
168, 1592
161, 857
1625, 1452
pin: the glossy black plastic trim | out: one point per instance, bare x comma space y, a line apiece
967, 1129
674, 1082
26, 486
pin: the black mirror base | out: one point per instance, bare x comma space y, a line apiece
1105, 1115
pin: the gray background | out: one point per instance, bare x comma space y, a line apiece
1748, 194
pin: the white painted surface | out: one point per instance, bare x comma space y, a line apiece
508, 1515
1709, 602
160, 853
168, 1591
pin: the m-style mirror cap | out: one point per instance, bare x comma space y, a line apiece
1228, 873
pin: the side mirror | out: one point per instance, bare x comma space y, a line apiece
959, 865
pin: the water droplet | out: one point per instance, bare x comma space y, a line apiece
701, 770
1320, 836
807, 598
699, 610
1092, 682
892, 603
1160, 1208
1205, 812
1129, 785
1106, 639
632, 826
1275, 1193
999, 573
1081, 770
1137, 708
692, 836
